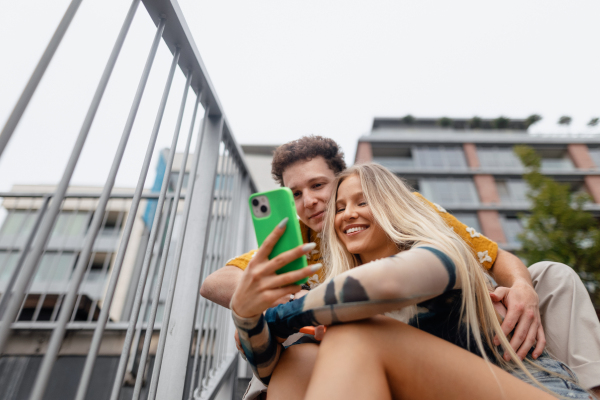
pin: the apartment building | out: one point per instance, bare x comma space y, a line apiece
474, 173
22, 208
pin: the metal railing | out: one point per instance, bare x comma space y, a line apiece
67, 257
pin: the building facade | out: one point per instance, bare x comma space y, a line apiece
474, 173
64, 246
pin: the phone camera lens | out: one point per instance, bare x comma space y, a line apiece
254, 202
263, 209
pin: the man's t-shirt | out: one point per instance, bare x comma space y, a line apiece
485, 250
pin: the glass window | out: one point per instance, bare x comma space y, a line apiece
513, 191
469, 219
512, 228
498, 157
393, 157
55, 267
555, 159
8, 262
440, 157
174, 178
449, 191
17, 223
70, 224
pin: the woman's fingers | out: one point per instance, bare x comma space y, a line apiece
293, 276
288, 256
267, 247
283, 291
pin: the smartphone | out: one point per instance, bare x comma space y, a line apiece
268, 209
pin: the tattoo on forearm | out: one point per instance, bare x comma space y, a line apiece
384, 285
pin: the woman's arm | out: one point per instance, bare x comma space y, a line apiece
258, 288
384, 285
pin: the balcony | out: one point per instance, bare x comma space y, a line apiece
84, 273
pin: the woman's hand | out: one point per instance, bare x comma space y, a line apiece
260, 286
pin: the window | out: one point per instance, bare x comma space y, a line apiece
420, 157
55, 267
498, 157
449, 191
113, 222
174, 178
8, 262
71, 224
18, 223
512, 228
393, 157
513, 191
440, 157
555, 159
469, 219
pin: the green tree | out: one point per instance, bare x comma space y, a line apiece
408, 119
559, 228
500, 123
445, 122
532, 119
565, 120
475, 123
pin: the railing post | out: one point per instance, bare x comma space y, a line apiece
180, 329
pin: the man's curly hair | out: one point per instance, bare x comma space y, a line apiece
305, 149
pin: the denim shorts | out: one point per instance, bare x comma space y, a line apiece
563, 382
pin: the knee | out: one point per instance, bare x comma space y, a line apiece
555, 271
548, 275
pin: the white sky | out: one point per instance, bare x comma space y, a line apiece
283, 69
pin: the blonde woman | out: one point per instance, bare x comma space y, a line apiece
409, 260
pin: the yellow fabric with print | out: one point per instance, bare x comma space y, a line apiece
485, 249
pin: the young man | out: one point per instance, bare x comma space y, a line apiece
308, 167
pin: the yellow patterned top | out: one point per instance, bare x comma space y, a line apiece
485, 249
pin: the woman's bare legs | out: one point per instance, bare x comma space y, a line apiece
382, 359
292, 374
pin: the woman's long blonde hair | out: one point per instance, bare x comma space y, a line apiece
408, 221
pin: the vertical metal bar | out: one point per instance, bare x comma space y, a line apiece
47, 224
89, 267
147, 293
176, 258
56, 263
236, 191
95, 345
143, 277
13, 278
200, 315
67, 307
227, 178
140, 320
163, 260
213, 254
207, 266
227, 212
177, 347
234, 222
36, 76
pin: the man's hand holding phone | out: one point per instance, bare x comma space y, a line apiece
260, 286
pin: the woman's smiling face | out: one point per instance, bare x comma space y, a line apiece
355, 225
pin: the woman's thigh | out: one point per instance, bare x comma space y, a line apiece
292, 374
357, 359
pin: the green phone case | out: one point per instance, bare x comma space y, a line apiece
281, 203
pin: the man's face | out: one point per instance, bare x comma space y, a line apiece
310, 182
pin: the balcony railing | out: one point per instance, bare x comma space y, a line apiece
85, 287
